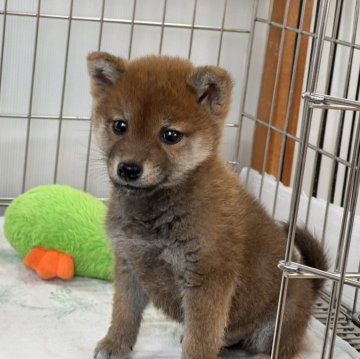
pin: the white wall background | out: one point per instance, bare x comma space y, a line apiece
56, 85
43, 89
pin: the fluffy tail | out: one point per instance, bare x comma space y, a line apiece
312, 253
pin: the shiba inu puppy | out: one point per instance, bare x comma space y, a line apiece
186, 235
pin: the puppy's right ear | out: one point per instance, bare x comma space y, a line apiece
104, 69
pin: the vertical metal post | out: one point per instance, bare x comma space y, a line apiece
342, 114
192, 29
355, 315
222, 32
288, 106
242, 107
236, 154
295, 200
90, 132
3, 42
274, 95
162, 27
327, 87
28, 125
63, 92
348, 221
132, 30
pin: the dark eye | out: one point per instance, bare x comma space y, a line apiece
119, 126
170, 137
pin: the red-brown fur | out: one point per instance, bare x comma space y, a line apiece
188, 238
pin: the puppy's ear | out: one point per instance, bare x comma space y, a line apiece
213, 87
104, 69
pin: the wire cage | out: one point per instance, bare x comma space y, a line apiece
293, 133
320, 108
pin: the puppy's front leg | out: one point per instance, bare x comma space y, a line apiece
206, 308
128, 306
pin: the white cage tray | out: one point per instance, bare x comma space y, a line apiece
55, 319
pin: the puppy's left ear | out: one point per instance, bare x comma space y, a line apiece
104, 69
212, 87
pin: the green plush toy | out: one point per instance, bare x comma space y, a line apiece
58, 231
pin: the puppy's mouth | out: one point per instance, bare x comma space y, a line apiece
132, 189
138, 188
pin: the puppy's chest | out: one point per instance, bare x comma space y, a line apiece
162, 243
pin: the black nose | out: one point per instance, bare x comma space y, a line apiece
129, 171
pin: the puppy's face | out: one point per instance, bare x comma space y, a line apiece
156, 118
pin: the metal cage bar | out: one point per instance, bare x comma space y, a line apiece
295, 200
275, 92
28, 125
236, 153
288, 107
63, 92
313, 99
88, 150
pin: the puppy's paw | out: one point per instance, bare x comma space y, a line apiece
107, 349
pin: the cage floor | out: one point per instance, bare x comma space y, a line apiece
55, 319
346, 329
